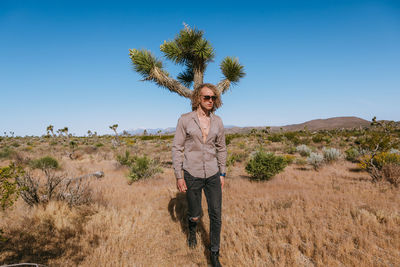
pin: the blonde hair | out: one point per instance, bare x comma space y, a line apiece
196, 96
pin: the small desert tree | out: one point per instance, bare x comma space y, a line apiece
192, 51
114, 128
379, 140
50, 129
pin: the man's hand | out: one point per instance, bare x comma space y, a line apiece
222, 181
181, 185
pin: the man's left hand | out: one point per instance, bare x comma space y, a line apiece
222, 178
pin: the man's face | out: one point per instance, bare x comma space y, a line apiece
207, 98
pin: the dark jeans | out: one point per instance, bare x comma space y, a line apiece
213, 192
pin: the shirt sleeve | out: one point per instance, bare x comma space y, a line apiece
221, 148
177, 148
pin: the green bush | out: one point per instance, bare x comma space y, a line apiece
321, 137
8, 186
230, 137
6, 152
275, 137
263, 166
290, 150
290, 135
352, 154
289, 159
15, 144
126, 159
142, 168
234, 157
45, 163
148, 137
167, 137
295, 141
300, 161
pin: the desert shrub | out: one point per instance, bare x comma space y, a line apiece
275, 137
315, 160
319, 138
126, 159
289, 159
303, 150
15, 144
99, 145
296, 141
148, 137
263, 166
391, 173
230, 137
300, 161
74, 191
45, 163
331, 154
352, 154
6, 152
9, 190
379, 160
305, 140
234, 157
290, 135
293, 137
167, 137
142, 168
242, 145
53, 143
290, 150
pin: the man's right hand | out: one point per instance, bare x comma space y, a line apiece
181, 185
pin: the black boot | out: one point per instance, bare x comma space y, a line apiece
192, 241
214, 259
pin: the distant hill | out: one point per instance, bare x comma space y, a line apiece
313, 125
329, 124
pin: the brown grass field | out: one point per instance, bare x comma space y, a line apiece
332, 217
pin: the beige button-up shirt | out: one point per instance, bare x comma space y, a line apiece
190, 153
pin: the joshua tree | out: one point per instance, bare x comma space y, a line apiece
114, 128
63, 132
191, 50
49, 129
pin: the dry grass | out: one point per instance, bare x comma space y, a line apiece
332, 217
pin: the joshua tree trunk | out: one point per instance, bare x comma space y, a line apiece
198, 77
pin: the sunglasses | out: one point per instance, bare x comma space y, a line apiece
208, 97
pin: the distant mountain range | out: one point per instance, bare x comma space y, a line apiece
313, 125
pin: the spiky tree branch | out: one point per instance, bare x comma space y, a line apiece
233, 72
151, 70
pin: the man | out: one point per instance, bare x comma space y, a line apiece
199, 151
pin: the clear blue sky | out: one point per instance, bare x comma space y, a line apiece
66, 63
